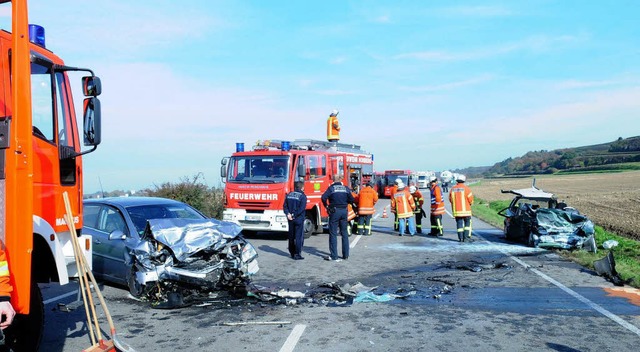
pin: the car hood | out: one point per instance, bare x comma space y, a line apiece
188, 236
562, 228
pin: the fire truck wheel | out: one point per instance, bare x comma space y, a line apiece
309, 226
25, 333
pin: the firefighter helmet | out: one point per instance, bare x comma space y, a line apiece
334, 112
461, 178
412, 189
397, 181
433, 179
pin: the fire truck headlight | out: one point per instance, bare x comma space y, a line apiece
227, 217
281, 218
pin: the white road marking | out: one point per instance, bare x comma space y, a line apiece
634, 329
355, 241
580, 297
293, 338
51, 300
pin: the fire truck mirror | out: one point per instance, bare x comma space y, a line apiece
223, 172
92, 130
91, 86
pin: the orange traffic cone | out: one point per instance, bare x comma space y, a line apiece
384, 212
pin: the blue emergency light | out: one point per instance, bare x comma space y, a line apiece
286, 146
239, 147
36, 34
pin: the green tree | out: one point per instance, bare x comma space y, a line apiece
193, 191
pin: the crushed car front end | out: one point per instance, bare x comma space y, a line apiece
178, 261
536, 218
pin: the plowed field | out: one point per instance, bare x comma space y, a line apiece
610, 200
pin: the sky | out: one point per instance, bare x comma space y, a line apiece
422, 85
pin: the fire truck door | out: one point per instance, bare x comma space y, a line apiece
338, 166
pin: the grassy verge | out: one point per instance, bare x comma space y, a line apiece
627, 253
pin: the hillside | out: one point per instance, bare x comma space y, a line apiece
620, 154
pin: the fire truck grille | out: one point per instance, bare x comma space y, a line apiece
254, 205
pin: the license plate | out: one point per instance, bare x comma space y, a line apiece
252, 217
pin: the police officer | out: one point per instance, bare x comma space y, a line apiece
335, 199
295, 204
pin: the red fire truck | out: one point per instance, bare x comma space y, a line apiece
40, 158
257, 181
388, 180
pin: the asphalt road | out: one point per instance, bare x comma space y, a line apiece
487, 295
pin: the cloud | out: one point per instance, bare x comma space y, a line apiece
476, 11
449, 86
537, 43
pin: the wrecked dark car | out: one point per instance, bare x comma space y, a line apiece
166, 252
536, 218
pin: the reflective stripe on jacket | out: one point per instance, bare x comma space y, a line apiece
418, 200
351, 214
366, 201
5, 284
403, 203
461, 199
437, 203
333, 128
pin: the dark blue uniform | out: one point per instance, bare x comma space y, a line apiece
338, 196
295, 204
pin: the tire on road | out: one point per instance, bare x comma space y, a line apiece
25, 333
309, 227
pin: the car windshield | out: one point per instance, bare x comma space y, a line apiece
258, 169
140, 214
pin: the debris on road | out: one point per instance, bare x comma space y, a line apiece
257, 323
606, 267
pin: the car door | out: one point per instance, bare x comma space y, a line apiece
108, 245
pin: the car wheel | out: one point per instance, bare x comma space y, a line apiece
309, 226
25, 333
506, 231
135, 288
532, 241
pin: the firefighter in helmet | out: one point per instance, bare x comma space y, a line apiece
437, 207
461, 199
394, 189
419, 201
333, 127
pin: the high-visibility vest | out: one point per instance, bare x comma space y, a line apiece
437, 204
5, 284
333, 128
461, 199
418, 200
366, 201
403, 203
351, 214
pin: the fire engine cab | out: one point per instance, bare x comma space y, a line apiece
257, 181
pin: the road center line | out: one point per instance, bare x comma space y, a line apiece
293, 338
51, 300
355, 241
634, 329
